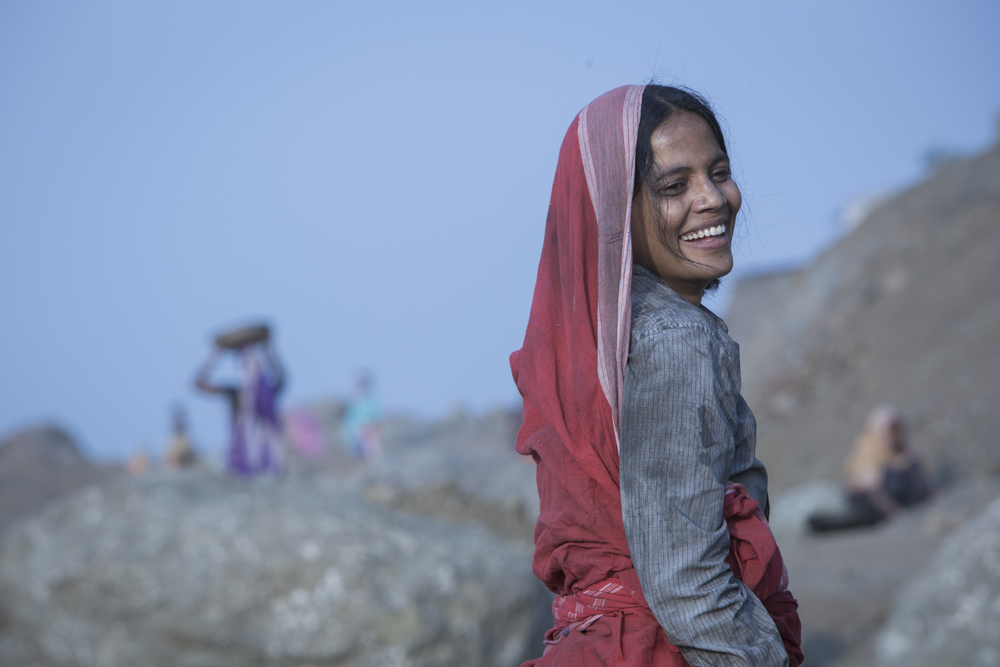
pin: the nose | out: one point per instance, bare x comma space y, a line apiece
709, 196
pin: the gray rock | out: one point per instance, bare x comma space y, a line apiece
791, 509
38, 464
45, 446
950, 613
201, 571
464, 468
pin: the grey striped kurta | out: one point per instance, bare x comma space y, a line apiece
685, 432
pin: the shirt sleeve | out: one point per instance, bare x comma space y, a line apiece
677, 449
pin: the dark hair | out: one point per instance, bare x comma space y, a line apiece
659, 103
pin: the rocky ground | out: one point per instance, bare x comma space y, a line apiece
421, 557
848, 584
84, 581
195, 569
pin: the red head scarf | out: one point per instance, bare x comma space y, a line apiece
570, 372
570, 369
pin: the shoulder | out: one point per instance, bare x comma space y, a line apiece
672, 323
659, 312
668, 332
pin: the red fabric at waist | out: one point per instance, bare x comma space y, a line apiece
754, 558
607, 596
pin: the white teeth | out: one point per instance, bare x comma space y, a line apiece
711, 231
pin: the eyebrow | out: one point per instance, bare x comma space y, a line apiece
671, 172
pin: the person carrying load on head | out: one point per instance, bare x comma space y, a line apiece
256, 445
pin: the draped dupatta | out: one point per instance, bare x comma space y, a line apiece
571, 367
570, 372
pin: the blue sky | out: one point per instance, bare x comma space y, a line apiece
374, 177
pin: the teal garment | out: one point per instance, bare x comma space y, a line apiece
357, 429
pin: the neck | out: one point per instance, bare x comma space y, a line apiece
692, 291
689, 292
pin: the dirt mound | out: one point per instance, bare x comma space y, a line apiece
904, 310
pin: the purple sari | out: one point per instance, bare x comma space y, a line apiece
256, 446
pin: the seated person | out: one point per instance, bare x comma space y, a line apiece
883, 475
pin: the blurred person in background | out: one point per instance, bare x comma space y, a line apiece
304, 432
883, 475
359, 430
138, 463
256, 444
179, 451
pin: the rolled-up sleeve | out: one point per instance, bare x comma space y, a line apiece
677, 450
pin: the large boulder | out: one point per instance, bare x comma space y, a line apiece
949, 614
463, 468
45, 446
38, 464
197, 570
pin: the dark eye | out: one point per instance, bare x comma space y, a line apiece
723, 174
674, 188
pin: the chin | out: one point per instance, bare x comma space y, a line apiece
721, 270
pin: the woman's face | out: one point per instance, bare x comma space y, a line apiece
682, 220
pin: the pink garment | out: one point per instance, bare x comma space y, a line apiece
305, 432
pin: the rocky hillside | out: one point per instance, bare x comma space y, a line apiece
904, 310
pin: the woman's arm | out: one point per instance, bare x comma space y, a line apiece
676, 456
201, 378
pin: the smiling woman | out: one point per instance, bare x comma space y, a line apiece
653, 530
686, 199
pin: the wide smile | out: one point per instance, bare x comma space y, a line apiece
714, 232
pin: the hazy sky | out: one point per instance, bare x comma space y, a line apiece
374, 177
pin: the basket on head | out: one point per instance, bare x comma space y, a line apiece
234, 339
